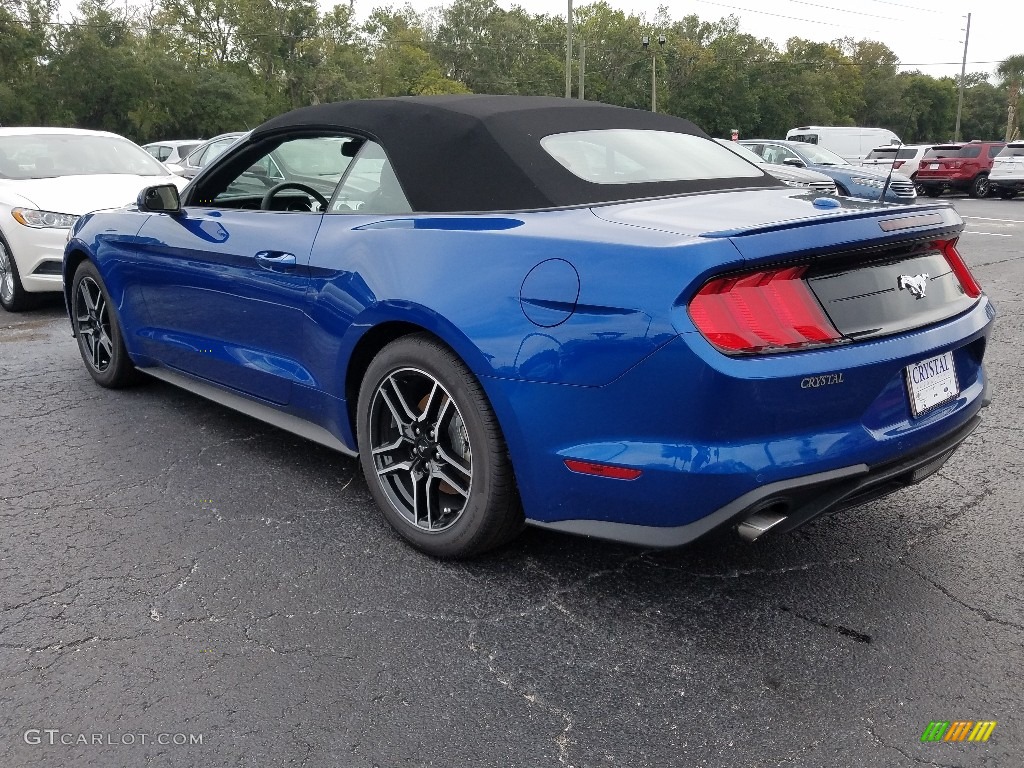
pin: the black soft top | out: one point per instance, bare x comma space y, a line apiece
483, 153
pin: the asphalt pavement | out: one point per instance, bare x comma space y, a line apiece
181, 586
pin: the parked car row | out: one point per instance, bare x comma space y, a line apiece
979, 168
851, 180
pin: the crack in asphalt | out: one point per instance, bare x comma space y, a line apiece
907, 755
972, 608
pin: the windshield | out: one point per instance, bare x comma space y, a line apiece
818, 155
1012, 150
45, 156
947, 151
628, 156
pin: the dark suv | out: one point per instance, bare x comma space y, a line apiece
958, 166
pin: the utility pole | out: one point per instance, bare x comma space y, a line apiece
583, 65
963, 73
568, 53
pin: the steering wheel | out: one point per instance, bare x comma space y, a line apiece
269, 194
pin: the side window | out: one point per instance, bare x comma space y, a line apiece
214, 151
299, 174
757, 148
370, 185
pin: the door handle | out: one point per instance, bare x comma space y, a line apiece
277, 261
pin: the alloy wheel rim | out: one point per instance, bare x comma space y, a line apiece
92, 316
6, 275
420, 450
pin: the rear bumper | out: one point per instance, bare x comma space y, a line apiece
719, 439
789, 503
1011, 183
943, 182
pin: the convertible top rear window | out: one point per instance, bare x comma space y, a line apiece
625, 156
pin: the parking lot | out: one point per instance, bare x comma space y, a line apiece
196, 588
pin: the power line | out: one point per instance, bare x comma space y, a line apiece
803, 19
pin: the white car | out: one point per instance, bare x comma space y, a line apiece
906, 158
1007, 175
48, 178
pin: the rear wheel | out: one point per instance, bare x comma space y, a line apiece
433, 453
979, 187
13, 297
98, 330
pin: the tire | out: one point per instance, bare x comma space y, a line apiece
432, 451
933, 191
979, 187
98, 330
13, 297
1008, 194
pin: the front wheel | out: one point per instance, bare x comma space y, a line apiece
432, 451
13, 297
979, 187
98, 330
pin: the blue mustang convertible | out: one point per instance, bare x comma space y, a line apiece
535, 310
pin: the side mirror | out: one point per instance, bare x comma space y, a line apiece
794, 161
162, 198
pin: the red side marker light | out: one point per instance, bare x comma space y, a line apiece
602, 470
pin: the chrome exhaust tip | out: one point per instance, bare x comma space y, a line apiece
759, 523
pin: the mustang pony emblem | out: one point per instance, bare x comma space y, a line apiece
917, 285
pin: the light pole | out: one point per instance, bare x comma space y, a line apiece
646, 41
568, 53
963, 70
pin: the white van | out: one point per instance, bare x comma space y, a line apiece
849, 142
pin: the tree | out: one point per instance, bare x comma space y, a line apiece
1011, 73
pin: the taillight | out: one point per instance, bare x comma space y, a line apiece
959, 267
770, 311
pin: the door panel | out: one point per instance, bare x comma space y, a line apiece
226, 296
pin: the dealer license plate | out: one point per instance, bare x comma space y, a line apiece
934, 166
931, 383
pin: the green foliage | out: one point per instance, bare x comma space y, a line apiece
190, 68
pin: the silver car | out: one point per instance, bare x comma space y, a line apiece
173, 151
202, 155
787, 174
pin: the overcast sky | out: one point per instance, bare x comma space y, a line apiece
925, 34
